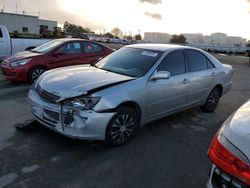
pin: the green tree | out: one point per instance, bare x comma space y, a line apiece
138, 37
178, 39
116, 32
109, 35
88, 30
75, 30
127, 37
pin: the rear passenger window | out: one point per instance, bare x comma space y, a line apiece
91, 47
1, 34
196, 61
174, 63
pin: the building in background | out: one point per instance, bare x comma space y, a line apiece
154, 37
215, 41
27, 25
193, 38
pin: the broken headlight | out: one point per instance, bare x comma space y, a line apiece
84, 103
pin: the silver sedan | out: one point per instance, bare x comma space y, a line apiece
133, 86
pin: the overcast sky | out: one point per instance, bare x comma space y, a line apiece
171, 16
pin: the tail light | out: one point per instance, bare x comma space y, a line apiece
229, 158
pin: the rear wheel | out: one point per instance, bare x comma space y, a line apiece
35, 73
212, 100
121, 127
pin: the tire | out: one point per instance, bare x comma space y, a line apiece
122, 127
212, 100
35, 73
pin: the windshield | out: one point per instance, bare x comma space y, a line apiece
130, 61
46, 47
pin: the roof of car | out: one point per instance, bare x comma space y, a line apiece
71, 39
159, 47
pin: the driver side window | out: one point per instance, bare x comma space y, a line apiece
174, 63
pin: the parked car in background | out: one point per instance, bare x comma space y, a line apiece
124, 41
10, 46
230, 151
29, 65
112, 98
116, 40
133, 42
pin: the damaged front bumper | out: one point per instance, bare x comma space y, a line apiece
86, 125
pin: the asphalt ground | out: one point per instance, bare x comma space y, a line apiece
171, 152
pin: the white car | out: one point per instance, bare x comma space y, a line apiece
229, 151
10, 46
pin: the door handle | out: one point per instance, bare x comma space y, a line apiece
213, 74
185, 81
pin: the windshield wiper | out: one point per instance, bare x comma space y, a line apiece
121, 73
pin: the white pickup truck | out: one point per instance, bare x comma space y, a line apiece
10, 46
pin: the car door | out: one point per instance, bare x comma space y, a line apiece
201, 76
166, 95
91, 52
66, 55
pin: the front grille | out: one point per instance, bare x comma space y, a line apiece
47, 95
51, 115
46, 122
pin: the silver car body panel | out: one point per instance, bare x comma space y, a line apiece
155, 98
73, 81
237, 129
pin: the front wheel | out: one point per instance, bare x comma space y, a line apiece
212, 100
121, 127
35, 73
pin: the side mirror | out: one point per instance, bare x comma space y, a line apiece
160, 75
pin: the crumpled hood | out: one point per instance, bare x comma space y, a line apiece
73, 81
20, 56
237, 128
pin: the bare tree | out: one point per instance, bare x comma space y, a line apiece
116, 32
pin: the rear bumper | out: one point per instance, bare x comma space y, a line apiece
87, 125
218, 178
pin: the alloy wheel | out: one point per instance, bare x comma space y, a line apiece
212, 101
36, 73
122, 128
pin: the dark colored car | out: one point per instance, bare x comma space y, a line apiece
29, 65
